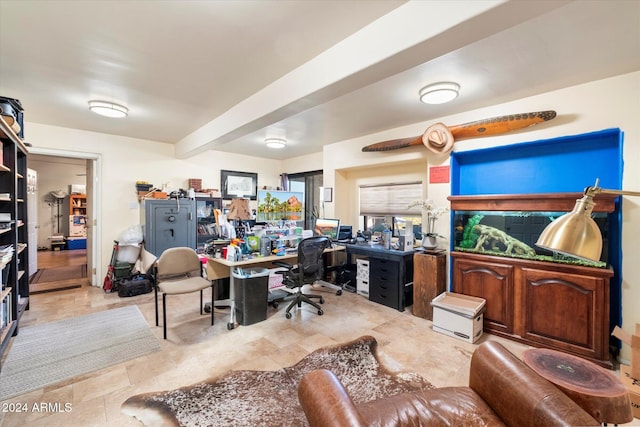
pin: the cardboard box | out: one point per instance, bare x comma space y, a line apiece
77, 225
405, 243
458, 316
275, 279
634, 342
633, 386
152, 194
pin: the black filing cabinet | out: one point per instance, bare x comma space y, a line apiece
383, 281
390, 274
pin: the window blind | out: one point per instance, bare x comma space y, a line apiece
389, 199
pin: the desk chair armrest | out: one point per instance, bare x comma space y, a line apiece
283, 265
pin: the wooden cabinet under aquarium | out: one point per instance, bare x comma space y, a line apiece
533, 296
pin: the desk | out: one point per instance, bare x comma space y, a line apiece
390, 274
218, 268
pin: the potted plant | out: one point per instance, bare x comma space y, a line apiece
432, 213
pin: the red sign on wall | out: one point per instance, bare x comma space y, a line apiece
438, 174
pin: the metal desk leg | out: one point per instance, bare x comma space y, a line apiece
230, 302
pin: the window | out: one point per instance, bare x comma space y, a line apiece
388, 199
385, 206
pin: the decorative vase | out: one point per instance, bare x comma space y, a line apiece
429, 241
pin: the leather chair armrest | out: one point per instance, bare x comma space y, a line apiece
517, 394
326, 402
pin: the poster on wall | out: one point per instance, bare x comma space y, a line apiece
438, 174
280, 205
238, 184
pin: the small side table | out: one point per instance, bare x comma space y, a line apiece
594, 389
429, 280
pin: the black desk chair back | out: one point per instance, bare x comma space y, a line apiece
307, 271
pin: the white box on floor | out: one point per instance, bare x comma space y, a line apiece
458, 315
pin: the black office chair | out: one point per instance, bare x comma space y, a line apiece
307, 271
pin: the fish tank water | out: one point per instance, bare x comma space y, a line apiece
513, 234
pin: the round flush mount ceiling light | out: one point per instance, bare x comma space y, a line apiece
276, 143
439, 93
108, 109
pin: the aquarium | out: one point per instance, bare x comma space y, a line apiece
514, 234
509, 225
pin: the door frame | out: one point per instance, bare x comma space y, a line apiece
94, 205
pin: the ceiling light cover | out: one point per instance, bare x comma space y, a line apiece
276, 143
108, 109
439, 93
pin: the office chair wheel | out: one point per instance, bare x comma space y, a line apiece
274, 304
339, 292
288, 315
230, 326
207, 308
321, 301
320, 312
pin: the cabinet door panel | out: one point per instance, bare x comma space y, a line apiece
494, 283
565, 311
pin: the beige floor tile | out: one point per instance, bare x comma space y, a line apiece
196, 351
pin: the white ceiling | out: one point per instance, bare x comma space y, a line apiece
227, 74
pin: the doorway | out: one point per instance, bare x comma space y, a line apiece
309, 183
65, 204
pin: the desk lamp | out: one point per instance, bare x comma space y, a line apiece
575, 233
239, 210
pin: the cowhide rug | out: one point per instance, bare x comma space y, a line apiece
270, 398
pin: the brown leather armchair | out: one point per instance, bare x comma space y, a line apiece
502, 391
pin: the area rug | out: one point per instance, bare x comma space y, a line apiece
270, 398
47, 354
59, 273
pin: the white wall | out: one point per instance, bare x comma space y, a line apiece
609, 103
126, 160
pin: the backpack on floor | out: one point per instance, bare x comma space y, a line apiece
133, 285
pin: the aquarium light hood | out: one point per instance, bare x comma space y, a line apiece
575, 233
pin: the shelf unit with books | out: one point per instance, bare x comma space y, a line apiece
206, 226
77, 204
14, 262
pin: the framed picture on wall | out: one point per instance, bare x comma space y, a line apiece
277, 205
239, 184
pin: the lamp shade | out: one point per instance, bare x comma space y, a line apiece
574, 234
239, 209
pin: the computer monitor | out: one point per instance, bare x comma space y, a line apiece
345, 232
327, 227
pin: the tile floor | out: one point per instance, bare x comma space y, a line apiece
195, 351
